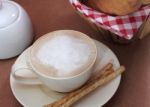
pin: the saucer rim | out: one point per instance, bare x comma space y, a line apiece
117, 86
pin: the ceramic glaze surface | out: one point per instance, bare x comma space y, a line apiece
15, 29
8, 14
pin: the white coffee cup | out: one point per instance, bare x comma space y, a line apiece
60, 84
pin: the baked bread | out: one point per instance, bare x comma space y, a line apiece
115, 7
145, 2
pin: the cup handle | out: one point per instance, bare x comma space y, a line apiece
28, 79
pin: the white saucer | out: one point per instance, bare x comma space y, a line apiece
37, 96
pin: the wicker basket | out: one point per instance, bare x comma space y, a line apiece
143, 31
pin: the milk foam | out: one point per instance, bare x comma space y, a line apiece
65, 53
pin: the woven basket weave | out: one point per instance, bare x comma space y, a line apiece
143, 31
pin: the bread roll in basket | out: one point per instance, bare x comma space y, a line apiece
115, 7
122, 29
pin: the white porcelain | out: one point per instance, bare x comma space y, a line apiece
16, 31
38, 95
61, 84
0, 4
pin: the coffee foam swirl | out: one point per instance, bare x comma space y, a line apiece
63, 55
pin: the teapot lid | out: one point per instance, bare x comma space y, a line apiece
9, 12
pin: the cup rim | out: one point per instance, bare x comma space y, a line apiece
69, 77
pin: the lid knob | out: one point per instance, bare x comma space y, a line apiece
9, 12
0, 4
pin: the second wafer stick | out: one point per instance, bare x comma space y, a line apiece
71, 98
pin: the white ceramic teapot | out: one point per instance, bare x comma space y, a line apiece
16, 31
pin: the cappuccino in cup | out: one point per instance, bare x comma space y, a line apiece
63, 55
62, 60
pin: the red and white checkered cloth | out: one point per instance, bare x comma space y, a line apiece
123, 26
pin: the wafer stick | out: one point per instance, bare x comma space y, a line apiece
74, 96
104, 71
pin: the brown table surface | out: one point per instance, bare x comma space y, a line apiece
50, 15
